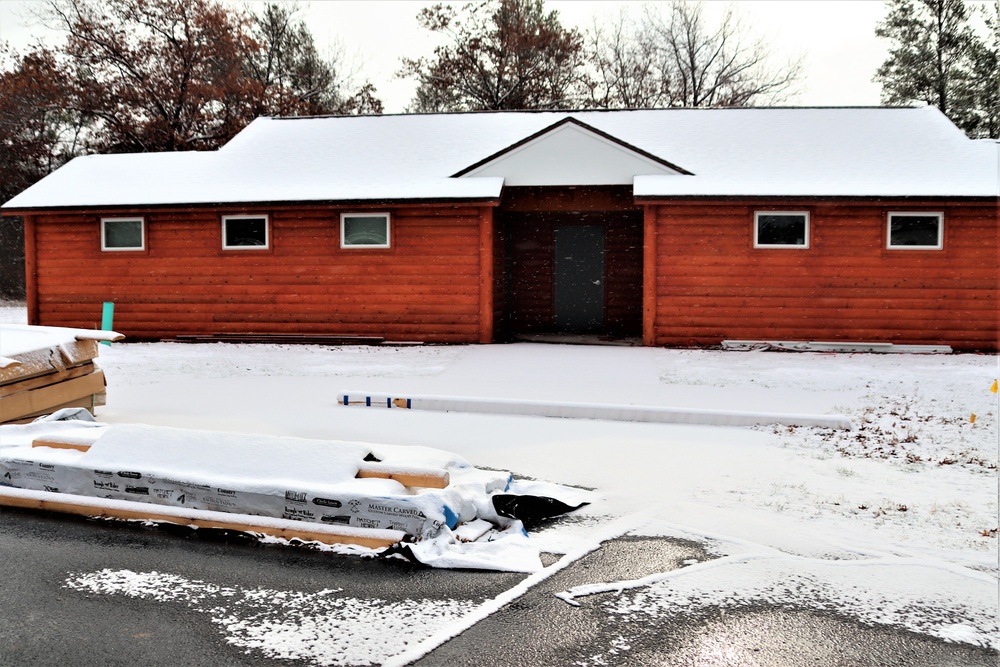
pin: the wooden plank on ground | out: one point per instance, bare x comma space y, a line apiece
83, 509
37, 401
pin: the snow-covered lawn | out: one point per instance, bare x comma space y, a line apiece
891, 522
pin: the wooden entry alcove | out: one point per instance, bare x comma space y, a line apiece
569, 261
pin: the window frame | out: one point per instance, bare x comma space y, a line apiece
142, 233
782, 246
248, 216
914, 214
367, 246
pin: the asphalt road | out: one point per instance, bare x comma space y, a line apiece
42, 622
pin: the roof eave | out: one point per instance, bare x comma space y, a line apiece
387, 201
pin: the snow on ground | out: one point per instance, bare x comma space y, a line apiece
325, 628
892, 522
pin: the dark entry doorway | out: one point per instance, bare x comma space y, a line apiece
578, 278
570, 273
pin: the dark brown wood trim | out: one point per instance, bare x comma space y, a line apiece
578, 123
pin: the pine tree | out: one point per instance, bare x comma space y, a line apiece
930, 57
984, 80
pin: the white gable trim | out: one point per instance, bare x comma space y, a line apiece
570, 153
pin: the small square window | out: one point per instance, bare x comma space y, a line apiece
244, 231
916, 231
781, 229
123, 234
364, 230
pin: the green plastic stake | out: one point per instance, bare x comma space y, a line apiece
108, 319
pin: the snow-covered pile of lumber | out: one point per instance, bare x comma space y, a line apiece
375, 495
43, 369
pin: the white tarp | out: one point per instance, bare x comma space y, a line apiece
288, 478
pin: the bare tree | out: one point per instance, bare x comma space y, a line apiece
676, 58
156, 74
294, 78
625, 67
168, 75
501, 54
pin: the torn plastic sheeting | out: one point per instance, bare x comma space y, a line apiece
634, 413
530, 510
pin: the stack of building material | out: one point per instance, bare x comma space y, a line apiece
44, 369
448, 512
342, 485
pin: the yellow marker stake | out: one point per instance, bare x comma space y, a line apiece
972, 419
993, 387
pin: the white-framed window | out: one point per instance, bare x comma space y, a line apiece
245, 232
118, 234
364, 230
781, 229
915, 230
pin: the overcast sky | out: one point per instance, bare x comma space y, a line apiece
836, 39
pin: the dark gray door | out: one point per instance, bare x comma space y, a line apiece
579, 278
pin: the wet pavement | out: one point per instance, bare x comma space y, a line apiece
42, 622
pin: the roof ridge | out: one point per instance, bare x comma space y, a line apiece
479, 112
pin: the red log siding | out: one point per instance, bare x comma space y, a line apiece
31, 268
711, 284
486, 259
697, 276
425, 287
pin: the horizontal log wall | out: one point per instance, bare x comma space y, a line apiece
425, 287
711, 284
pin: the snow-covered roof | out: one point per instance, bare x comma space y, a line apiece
727, 152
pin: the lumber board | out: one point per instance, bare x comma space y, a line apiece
98, 512
54, 442
37, 401
49, 360
46, 379
428, 478
87, 402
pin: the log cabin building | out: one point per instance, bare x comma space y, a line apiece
679, 227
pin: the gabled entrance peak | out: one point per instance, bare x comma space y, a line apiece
570, 152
